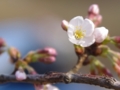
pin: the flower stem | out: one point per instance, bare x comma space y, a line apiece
79, 64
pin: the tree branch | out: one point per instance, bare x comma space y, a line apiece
55, 77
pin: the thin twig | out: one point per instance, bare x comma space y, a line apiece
55, 77
79, 64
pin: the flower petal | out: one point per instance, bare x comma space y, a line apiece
87, 41
88, 27
76, 21
73, 40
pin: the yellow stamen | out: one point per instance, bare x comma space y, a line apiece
79, 33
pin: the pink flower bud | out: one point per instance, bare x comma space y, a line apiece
48, 60
2, 42
116, 39
48, 51
97, 19
106, 71
117, 68
20, 75
93, 9
64, 25
100, 34
39, 87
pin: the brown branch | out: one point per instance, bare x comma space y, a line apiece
55, 77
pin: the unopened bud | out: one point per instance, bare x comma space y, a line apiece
14, 54
93, 9
64, 25
20, 75
116, 39
100, 34
97, 20
48, 60
117, 69
106, 72
48, 51
2, 42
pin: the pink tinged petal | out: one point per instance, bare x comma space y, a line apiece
87, 41
76, 21
100, 34
88, 26
20, 75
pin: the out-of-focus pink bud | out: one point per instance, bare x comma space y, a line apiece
48, 60
64, 25
51, 51
47, 51
39, 87
93, 9
100, 34
116, 39
106, 72
20, 75
2, 42
33, 72
96, 19
117, 69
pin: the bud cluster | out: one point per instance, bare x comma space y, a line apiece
46, 55
94, 14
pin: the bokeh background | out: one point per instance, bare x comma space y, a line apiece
32, 24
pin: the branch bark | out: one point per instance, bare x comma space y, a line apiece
55, 77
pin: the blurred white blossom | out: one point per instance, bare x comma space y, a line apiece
20, 75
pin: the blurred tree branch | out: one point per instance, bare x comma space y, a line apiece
56, 77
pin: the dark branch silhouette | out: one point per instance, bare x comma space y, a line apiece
56, 77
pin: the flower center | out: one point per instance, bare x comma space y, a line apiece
79, 33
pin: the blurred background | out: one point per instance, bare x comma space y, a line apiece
32, 24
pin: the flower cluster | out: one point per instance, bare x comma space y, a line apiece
92, 40
84, 32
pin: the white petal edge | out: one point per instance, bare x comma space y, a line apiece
88, 26
76, 21
74, 41
87, 41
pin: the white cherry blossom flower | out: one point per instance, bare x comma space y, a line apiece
100, 34
80, 31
